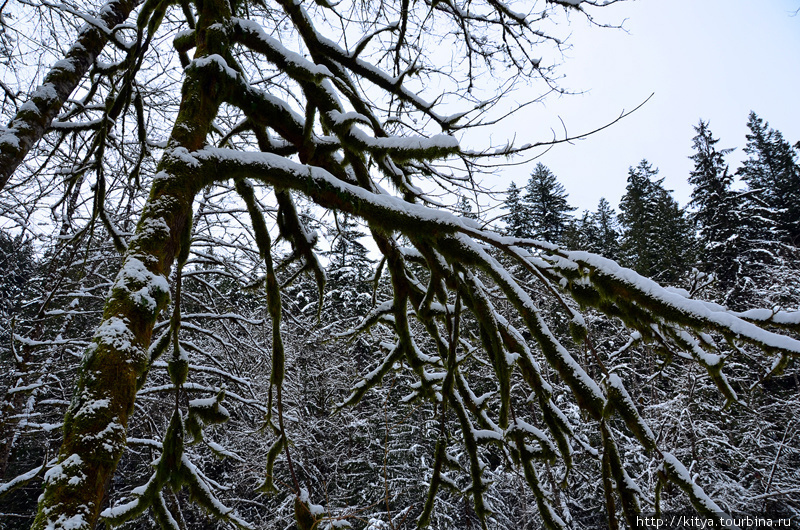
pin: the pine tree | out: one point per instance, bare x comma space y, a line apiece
657, 238
546, 201
772, 167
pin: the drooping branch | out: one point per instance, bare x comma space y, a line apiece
393, 213
461, 245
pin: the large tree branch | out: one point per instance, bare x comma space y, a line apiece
580, 269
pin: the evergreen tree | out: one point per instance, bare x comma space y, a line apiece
546, 200
772, 167
596, 231
657, 238
717, 208
674, 239
16, 267
737, 229
464, 208
580, 232
604, 236
349, 271
637, 218
517, 219
347, 250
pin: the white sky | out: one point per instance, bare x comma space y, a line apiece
709, 59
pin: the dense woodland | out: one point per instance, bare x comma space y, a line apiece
245, 283
734, 241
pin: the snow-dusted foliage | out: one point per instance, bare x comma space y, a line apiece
199, 334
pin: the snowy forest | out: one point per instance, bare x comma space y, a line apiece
250, 277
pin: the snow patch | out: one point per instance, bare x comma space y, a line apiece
142, 284
92, 406
115, 333
63, 522
63, 470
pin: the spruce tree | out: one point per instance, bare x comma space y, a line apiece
604, 235
657, 238
580, 233
737, 228
464, 208
347, 250
772, 167
349, 271
674, 239
596, 231
517, 219
546, 200
717, 208
637, 217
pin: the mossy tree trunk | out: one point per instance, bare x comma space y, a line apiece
96, 423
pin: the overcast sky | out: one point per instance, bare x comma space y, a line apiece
709, 59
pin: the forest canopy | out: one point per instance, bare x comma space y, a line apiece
199, 333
